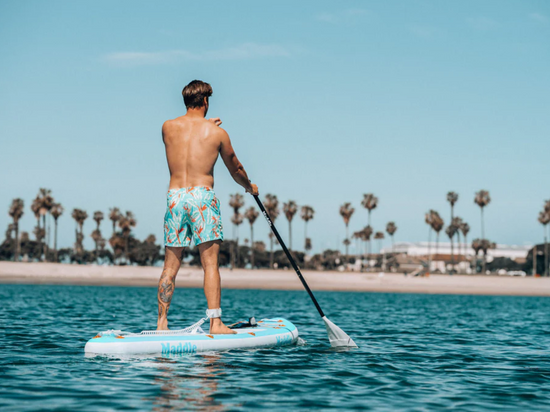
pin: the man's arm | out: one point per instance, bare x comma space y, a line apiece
234, 166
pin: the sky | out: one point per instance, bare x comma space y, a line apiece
324, 101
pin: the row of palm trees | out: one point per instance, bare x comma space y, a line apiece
271, 204
457, 226
369, 202
44, 206
45, 209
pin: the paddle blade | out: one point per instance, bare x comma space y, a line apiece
337, 337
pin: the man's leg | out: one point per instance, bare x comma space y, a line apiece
212, 285
167, 283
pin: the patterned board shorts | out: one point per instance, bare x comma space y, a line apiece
192, 213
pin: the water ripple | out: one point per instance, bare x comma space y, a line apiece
416, 352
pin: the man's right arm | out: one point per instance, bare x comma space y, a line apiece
233, 165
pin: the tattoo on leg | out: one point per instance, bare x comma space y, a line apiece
165, 292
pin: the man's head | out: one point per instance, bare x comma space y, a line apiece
196, 94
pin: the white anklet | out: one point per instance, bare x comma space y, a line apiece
213, 313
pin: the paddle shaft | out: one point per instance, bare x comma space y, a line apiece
288, 255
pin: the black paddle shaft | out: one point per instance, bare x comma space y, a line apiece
288, 255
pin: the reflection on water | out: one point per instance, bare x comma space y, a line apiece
416, 352
180, 390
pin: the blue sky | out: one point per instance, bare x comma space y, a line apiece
324, 101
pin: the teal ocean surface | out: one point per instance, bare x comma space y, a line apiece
416, 353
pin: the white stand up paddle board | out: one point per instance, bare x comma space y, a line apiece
266, 333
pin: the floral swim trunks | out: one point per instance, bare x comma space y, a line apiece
192, 213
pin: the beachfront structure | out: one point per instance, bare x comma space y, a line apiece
463, 253
514, 252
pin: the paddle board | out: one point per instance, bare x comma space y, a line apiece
267, 333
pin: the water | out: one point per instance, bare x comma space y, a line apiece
416, 352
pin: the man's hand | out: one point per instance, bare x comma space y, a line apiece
216, 120
253, 190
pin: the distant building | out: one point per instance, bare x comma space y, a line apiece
463, 253
517, 253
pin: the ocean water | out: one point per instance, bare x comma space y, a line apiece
416, 353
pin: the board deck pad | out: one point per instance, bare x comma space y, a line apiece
268, 333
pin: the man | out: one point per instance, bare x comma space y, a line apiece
193, 211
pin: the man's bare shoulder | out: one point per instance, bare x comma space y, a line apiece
171, 123
220, 133
167, 126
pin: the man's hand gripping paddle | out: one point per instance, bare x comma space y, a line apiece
336, 336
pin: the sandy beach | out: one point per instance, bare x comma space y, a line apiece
63, 274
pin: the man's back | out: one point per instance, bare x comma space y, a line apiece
192, 208
192, 147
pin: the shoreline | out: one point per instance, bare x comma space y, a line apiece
38, 273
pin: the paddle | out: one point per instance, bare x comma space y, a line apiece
336, 336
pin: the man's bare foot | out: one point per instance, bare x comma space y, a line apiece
162, 324
218, 328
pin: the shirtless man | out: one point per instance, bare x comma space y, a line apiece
193, 211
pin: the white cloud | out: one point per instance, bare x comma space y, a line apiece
242, 52
538, 17
344, 16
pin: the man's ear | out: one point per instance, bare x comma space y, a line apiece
205, 101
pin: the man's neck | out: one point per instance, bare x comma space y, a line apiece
196, 112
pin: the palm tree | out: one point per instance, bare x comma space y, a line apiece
346, 211
236, 201
150, 240
236, 219
437, 225
369, 202
391, 228
46, 202
452, 198
35, 207
485, 245
98, 217
346, 243
306, 213
434, 221
358, 236
465, 229
251, 214
308, 246
126, 223
39, 233
457, 222
366, 233
79, 216
114, 216
271, 204
56, 211
16, 212
96, 237
482, 199
290, 209
451, 231
379, 236
476, 245
428, 217
544, 219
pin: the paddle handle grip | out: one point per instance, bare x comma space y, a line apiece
288, 255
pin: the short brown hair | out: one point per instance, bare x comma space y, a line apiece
195, 92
